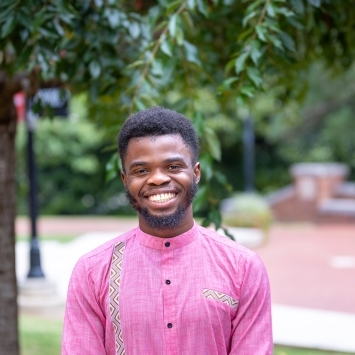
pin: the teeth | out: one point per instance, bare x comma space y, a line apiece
161, 198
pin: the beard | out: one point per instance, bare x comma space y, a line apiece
165, 221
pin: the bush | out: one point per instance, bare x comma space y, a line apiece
71, 155
247, 210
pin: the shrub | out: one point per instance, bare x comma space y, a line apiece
248, 210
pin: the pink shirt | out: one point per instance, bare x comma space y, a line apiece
195, 294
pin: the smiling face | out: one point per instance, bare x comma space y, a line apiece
161, 181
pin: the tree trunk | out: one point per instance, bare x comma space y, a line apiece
8, 285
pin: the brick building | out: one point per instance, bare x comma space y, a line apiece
319, 193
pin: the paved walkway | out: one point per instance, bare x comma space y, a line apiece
311, 270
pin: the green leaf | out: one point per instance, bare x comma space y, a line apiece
202, 7
255, 76
245, 34
172, 25
248, 17
95, 69
172, 6
226, 85
188, 23
254, 4
298, 5
135, 64
8, 26
24, 56
285, 11
139, 104
276, 42
134, 30
288, 41
315, 3
58, 27
215, 217
222, 179
295, 23
270, 10
179, 36
226, 232
240, 62
248, 91
206, 166
213, 144
191, 53
261, 32
166, 47
99, 3
191, 4
255, 52
5, 14
113, 16
201, 198
198, 122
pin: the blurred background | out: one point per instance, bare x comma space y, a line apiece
270, 88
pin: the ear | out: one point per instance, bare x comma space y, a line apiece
124, 178
197, 172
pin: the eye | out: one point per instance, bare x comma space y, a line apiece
140, 171
173, 167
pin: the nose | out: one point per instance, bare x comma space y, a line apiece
158, 177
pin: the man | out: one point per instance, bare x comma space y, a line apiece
168, 286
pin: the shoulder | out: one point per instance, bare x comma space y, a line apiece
100, 257
230, 252
222, 242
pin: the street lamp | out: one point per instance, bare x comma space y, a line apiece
35, 257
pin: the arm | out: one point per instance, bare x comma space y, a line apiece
84, 322
251, 328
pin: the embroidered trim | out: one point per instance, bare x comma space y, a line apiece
221, 297
115, 280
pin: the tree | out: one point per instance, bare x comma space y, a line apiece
130, 55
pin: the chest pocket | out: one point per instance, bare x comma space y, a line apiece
220, 297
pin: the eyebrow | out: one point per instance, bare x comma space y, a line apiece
168, 160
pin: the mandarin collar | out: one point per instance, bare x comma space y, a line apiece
179, 241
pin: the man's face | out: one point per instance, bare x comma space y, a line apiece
161, 182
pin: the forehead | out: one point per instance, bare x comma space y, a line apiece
157, 147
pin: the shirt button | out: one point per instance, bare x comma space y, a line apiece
170, 325
168, 282
167, 244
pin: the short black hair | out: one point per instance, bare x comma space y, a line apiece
157, 121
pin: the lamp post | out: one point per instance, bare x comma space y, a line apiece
36, 291
35, 257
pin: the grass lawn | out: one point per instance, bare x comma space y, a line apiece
282, 350
39, 335
43, 336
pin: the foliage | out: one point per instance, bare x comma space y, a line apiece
247, 210
133, 54
71, 159
288, 131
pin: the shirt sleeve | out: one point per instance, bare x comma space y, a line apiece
84, 321
252, 327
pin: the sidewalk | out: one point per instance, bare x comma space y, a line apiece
311, 271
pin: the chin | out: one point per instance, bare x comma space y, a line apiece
164, 220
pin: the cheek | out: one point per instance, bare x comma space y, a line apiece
134, 187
